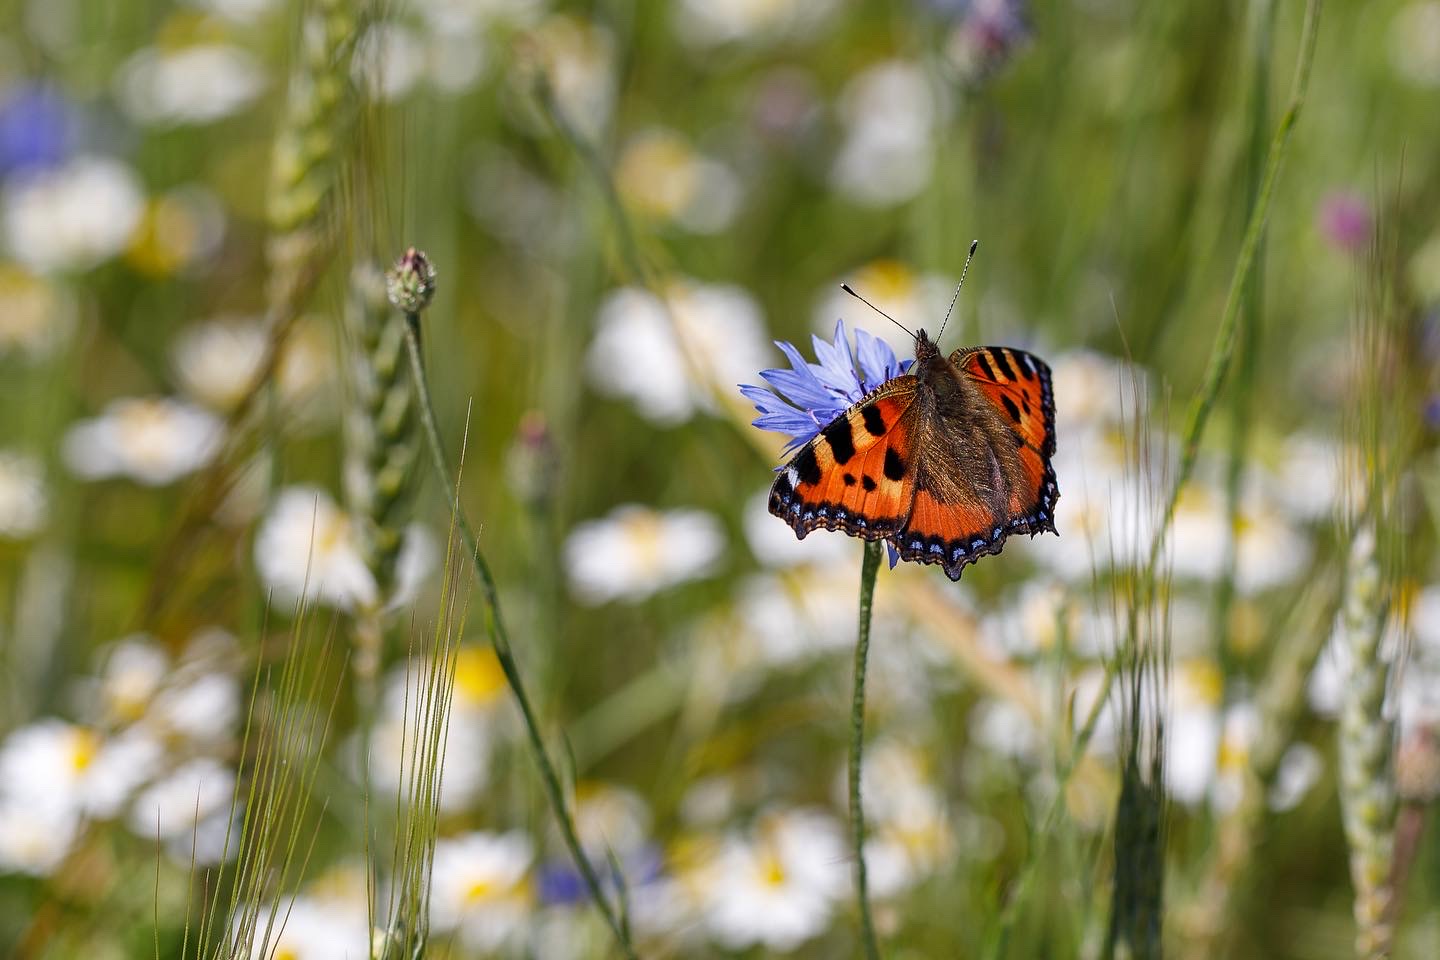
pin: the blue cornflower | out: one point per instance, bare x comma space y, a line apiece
37, 128
806, 397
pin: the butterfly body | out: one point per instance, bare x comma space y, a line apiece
945, 461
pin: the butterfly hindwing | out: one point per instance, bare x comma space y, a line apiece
854, 474
1018, 385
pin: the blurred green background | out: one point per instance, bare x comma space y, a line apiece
625, 203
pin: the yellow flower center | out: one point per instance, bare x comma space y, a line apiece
480, 891
478, 677
83, 748
772, 871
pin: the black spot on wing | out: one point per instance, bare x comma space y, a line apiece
894, 466
1022, 360
1002, 364
1010, 408
874, 422
807, 467
849, 479
841, 442
867, 482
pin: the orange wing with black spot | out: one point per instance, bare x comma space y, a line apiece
854, 475
996, 492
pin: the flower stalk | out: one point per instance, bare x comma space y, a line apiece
412, 284
869, 567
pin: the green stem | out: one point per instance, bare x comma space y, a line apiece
495, 627
868, 569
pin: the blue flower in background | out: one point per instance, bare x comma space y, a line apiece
806, 397
558, 883
37, 128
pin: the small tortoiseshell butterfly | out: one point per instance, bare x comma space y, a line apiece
944, 461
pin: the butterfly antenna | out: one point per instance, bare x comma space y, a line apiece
963, 270
847, 288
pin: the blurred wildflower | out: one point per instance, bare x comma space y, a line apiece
163, 86
478, 888
240, 11
671, 357
577, 59
133, 673
180, 228
71, 217
1346, 222
714, 23
662, 177
914, 299
216, 362
317, 928
637, 551
307, 545
889, 113
38, 126
532, 460
34, 837
910, 834
985, 36
1415, 43
1300, 768
189, 810
390, 58
806, 397
154, 440
469, 733
56, 764
785, 108
36, 315
24, 503
1270, 551
777, 885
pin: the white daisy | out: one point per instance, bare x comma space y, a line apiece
314, 928
55, 763
189, 809
578, 58
308, 545
155, 441
911, 834
889, 112
914, 299
637, 551
777, 886
661, 176
479, 887
671, 358
71, 217
34, 837
711, 24
24, 504
161, 86
36, 315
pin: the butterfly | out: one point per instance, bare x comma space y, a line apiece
945, 461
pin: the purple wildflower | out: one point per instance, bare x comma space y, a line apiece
1346, 222
806, 397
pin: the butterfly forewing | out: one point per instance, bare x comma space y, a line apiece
853, 475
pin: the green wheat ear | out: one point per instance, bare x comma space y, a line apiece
304, 157
382, 442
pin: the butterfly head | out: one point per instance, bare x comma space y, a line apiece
925, 348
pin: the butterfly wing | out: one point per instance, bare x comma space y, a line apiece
990, 475
1018, 385
854, 475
